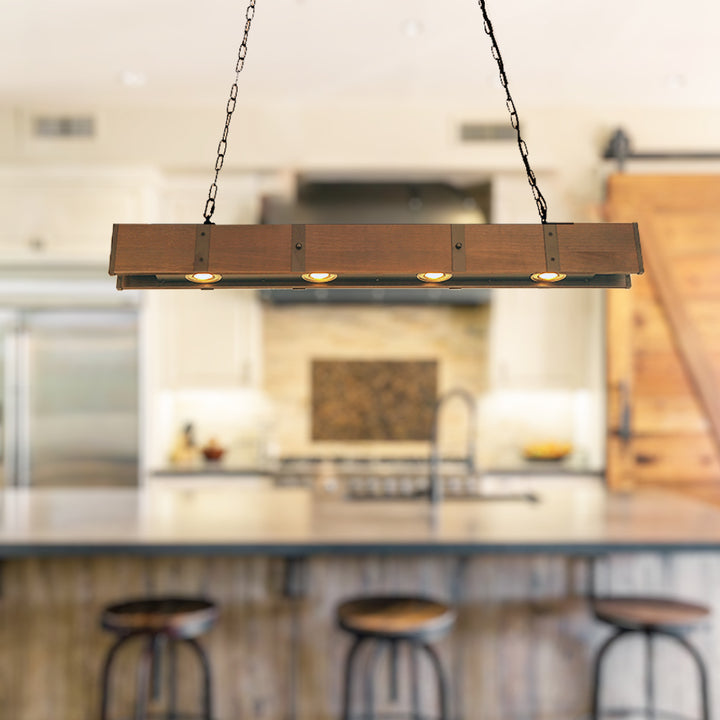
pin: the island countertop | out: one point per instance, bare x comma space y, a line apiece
572, 517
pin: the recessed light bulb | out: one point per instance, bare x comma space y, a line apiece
203, 277
319, 277
548, 277
434, 277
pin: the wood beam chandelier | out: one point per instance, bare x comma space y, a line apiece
411, 255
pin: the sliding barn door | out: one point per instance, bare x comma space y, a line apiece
663, 337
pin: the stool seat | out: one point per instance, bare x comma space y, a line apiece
395, 617
162, 624
648, 613
651, 617
175, 617
389, 622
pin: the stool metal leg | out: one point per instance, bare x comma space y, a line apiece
142, 690
369, 672
414, 680
207, 678
369, 679
107, 667
702, 672
158, 641
394, 670
441, 681
172, 678
595, 705
649, 676
650, 709
348, 675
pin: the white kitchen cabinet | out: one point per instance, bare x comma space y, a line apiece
183, 197
205, 338
545, 339
64, 214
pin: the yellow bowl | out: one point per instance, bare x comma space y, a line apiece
547, 450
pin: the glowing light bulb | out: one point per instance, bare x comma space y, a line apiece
319, 277
203, 277
547, 277
434, 277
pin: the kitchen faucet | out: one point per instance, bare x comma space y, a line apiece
435, 483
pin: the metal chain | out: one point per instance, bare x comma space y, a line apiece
222, 145
514, 120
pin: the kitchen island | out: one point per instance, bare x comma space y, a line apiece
279, 560
560, 515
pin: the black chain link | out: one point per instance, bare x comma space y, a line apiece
232, 101
514, 120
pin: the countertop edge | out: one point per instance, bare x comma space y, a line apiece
304, 549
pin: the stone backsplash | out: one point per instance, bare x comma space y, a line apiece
452, 339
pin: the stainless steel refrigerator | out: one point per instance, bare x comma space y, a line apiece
69, 404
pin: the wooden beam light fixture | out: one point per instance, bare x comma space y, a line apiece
300, 256
350, 256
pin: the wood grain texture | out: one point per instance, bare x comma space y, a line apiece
375, 250
250, 248
395, 615
521, 647
663, 458
378, 249
663, 343
639, 611
620, 387
702, 369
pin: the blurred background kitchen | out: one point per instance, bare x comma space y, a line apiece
111, 113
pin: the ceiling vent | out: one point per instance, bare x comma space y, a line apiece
486, 132
63, 127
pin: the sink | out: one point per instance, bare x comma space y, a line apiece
464, 497
403, 479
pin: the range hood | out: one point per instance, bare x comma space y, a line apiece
378, 296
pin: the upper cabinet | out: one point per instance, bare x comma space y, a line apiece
61, 214
205, 338
549, 339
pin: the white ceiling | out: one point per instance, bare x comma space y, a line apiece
557, 52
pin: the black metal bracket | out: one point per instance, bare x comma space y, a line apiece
295, 578
619, 148
202, 249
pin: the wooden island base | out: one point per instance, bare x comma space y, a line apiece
521, 649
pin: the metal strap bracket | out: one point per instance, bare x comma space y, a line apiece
201, 263
297, 262
457, 238
552, 249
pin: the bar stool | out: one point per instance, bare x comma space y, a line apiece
159, 622
651, 617
386, 622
